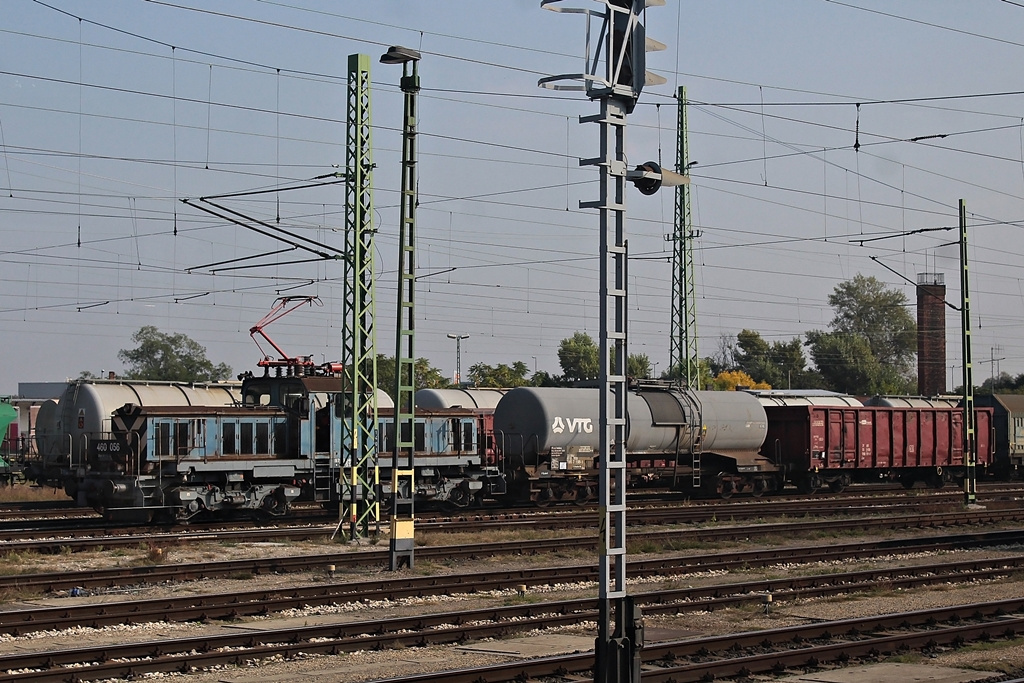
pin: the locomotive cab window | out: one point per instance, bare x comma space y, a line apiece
162, 437
246, 445
257, 395
262, 437
389, 436
297, 402
456, 435
177, 438
228, 438
463, 435
322, 430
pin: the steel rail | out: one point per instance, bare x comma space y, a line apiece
76, 522
921, 521
797, 654
123, 576
261, 602
194, 653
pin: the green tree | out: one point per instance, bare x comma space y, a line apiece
169, 357
780, 364
638, 365
578, 356
1004, 383
500, 376
871, 345
543, 378
864, 307
847, 365
705, 373
753, 355
426, 376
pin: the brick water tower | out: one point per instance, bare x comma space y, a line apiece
931, 334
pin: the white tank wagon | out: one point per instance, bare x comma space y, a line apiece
82, 413
470, 399
685, 439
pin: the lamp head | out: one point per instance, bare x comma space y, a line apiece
397, 54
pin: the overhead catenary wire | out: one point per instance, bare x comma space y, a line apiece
568, 158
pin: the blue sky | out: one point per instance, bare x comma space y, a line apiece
112, 112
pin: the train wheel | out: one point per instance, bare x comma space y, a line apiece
459, 497
726, 486
545, 497
581, 494
760, 486
839, 484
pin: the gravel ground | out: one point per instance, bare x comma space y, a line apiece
367, 666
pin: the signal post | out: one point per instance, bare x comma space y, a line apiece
621, 49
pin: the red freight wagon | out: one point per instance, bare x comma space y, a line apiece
817, 446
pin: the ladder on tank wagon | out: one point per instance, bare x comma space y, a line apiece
697, 436
695, 432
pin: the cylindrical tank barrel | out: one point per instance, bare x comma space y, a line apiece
532, 420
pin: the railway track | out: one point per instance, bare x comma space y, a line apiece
691, 660
18, 517
900, 513
776, 652
719, 560
262, 602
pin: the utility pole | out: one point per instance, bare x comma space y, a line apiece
683, 342
458, 356
994, 364
970, 445
360, 483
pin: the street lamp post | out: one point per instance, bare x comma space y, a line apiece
403, 484
458, 356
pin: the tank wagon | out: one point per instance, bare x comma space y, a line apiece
484, 400
706, 440
65, 427
816, 446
